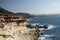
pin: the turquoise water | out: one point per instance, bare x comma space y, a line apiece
53, 33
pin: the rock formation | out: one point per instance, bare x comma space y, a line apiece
14, 28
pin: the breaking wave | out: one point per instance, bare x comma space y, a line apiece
51, 27
46, 37
28, 19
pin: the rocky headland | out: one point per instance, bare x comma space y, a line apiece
13, 27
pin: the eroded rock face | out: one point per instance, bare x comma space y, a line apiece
14, 28
12, 31
18, 33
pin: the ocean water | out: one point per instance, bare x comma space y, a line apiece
53, 31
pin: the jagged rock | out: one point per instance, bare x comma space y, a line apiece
13, 31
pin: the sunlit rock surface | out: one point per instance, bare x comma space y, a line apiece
14, 31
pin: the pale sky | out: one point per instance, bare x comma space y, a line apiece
32, 6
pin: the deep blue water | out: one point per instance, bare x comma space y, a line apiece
54, 23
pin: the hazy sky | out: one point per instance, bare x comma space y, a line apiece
32, 6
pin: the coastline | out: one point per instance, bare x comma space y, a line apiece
14, 28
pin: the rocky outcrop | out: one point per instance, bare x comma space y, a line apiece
18, 33
12, 31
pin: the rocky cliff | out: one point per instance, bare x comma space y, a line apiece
14, 28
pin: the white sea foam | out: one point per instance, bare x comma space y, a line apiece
51, 27
28, 19
44, 38
45, 35
34, 24
41, 38
42, 29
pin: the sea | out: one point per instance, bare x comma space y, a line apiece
53, 31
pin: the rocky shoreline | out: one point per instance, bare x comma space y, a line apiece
14, 28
